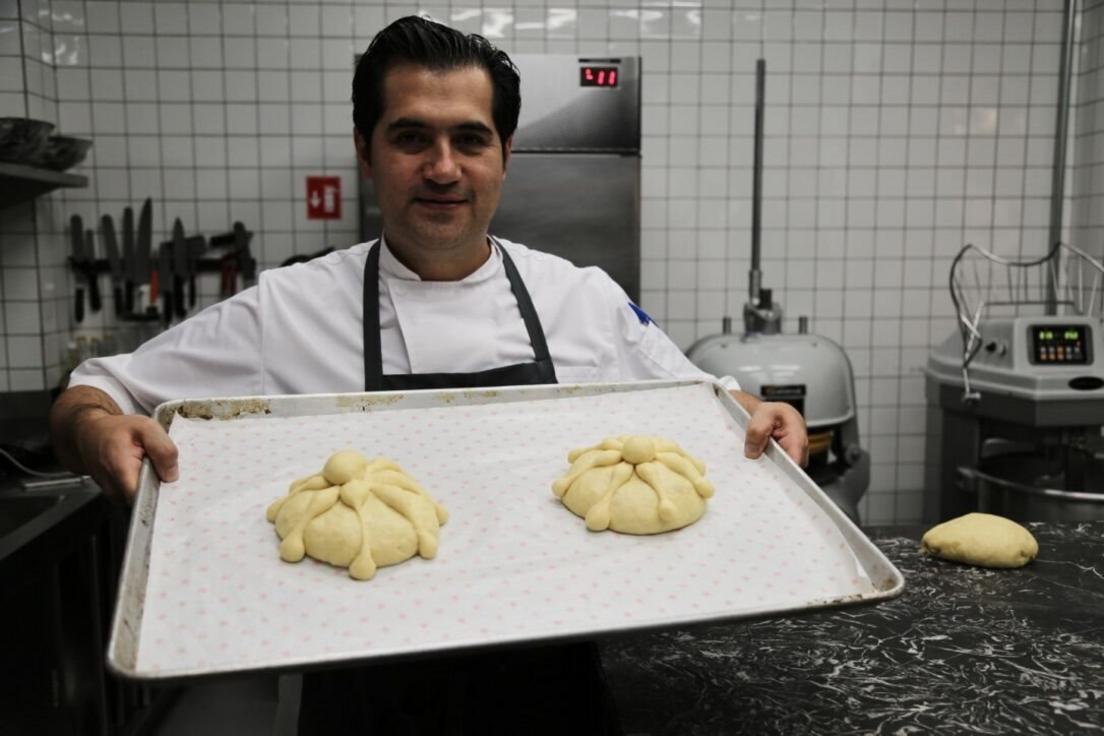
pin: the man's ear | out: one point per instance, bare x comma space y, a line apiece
506, 148
363, 154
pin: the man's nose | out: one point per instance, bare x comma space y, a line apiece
441, 166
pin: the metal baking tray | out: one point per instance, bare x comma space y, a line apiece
883, 580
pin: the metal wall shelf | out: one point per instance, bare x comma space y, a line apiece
19, 183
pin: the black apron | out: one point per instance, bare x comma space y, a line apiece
554, 689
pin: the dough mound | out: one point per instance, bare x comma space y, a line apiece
357, 513
634, 485
981, 539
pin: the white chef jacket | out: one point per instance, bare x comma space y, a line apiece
300, 330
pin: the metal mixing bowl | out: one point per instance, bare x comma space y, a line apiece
63, 152
23, 139
1027, 487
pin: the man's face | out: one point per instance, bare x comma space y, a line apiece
436, 160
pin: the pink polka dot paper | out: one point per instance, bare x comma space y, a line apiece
513, 564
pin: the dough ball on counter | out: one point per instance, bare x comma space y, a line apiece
981, 539
357, 513
635, 485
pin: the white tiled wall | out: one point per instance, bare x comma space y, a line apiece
897, 131
31, 274
1087, 195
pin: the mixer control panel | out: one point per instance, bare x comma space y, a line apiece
1055, 344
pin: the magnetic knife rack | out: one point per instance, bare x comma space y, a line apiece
101, 266
237, 256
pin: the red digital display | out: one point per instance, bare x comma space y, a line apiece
598, 76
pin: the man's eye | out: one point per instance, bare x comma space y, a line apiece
471, 140
409, 138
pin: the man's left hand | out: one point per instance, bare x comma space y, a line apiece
777, 420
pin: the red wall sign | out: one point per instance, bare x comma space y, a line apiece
323, 197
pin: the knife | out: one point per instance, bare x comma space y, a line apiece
142, 264
128, 260
196, 245
180, 265
94, 301
165, 282
228, 276
76, 244
111, 248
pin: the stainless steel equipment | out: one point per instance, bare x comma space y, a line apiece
810, 372
573, 180
1016, 400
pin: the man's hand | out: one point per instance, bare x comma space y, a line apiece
91, 435
774, 419
113, 447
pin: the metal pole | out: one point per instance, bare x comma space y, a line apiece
1061, 131
754, 275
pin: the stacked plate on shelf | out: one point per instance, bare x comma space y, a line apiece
28, 141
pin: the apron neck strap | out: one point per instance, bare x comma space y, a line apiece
373, 350
525, 306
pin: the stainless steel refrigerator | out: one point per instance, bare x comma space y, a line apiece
573, 182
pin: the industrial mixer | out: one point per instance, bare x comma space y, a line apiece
1016, 396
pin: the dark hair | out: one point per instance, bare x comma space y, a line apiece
427, 43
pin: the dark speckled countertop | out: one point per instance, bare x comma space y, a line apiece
963, 650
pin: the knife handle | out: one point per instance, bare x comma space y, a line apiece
78, 305
191, 291
117, 293
94, 301
228, 279
128, 300
178, 292
166, 307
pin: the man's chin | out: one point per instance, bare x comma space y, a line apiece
442, 236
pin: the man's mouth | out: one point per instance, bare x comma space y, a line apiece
440, 202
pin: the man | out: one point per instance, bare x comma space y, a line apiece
443, 303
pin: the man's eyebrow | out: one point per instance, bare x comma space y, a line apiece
407, 123
418, 124
475, 127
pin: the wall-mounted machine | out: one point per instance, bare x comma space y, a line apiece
810, 372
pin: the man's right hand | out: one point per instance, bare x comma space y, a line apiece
91, 435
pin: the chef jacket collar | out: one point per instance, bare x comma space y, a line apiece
391, 267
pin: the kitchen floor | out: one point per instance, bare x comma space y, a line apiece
267, 705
